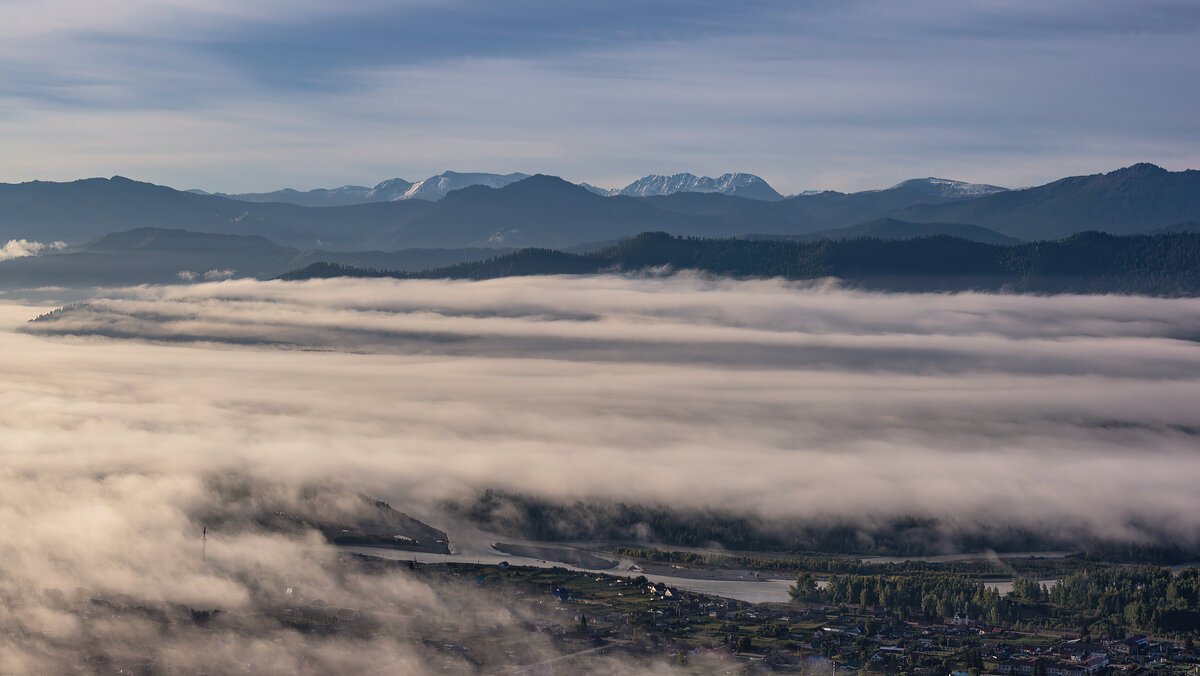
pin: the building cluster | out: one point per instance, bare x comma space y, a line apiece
1079, 658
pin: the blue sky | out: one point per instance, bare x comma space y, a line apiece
844, 95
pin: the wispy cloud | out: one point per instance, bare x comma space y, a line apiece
832, 95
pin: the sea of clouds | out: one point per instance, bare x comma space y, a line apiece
120, 416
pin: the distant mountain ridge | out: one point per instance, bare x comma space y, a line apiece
738, 185
437, 187
893, 229
546, 211
1089, 262
165, 256
1139, 198
944, 187
433, 189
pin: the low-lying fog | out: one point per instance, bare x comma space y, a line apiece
1068, 415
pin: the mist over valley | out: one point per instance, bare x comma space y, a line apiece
738, 338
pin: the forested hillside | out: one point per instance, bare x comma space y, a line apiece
1165, 264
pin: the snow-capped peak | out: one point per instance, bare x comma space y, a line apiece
739, 184
944, 187
435, 187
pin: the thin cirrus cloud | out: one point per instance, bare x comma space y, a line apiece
829, 95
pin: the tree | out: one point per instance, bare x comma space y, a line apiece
805, 587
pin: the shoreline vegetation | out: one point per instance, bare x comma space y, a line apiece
921, 624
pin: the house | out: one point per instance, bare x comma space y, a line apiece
1133, 646
1077, 651
1023, 667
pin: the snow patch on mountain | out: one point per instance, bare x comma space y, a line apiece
604, 192
388, 190
739, 184
435, 187
944, 187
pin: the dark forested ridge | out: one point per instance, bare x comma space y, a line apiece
159, 256
1136, 199
546, 211
891, 228
536, 518
1164, 264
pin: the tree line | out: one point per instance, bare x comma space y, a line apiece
1110, 600
1090, 262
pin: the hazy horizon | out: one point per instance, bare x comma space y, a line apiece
813, 95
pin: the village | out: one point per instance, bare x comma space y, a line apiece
590, 615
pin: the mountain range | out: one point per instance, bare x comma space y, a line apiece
164, 256
1090, 262
946, 188
653, 185
737, 185
895, 229
545, 211
1130, 200
433, 188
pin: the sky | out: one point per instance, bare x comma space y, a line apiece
235, 97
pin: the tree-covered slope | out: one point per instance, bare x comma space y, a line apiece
1165, 264
1136, 199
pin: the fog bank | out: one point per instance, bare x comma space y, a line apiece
1070, 416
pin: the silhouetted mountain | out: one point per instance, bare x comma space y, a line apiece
791, 216
890, 228
162, 240
1085, 263
544, 211
603, 192
739, 185
161, 256
436, 187
80, 210
538, 211
432, 189
321, 197
944, 187
1140, 198
830, 209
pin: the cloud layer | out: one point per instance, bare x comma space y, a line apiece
127, 419
762, 396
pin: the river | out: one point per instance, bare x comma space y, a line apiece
751, 589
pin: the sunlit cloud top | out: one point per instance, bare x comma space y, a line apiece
844, 95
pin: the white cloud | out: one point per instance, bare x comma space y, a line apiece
19, 248
219, 274
1070, 416
737, 392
